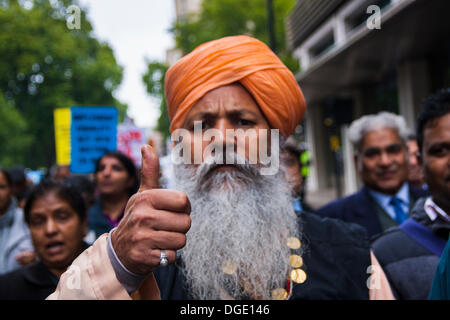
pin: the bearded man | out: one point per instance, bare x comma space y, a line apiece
245, 240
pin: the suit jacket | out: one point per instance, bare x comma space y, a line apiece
362, 208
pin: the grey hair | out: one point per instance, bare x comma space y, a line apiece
360, 127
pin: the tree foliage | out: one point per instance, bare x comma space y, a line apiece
13, 134
220, 18
154, 82
45, 65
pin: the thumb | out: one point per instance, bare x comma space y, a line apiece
149, 169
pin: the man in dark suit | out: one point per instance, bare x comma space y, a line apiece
381, 158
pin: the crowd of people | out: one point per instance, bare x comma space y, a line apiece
227, 231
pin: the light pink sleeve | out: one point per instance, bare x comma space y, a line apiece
90, 277
379, 288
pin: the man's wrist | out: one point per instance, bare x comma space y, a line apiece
129, 280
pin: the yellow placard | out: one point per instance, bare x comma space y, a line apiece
62, 118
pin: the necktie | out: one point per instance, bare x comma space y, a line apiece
400, 214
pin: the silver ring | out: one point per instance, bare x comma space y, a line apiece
163, 261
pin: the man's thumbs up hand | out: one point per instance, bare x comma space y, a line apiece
154, 220
149, 169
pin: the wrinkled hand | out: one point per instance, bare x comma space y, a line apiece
26, 257
154, 220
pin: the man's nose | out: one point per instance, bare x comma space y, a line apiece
223, 125
385, 159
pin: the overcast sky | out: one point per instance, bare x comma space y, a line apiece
135, 29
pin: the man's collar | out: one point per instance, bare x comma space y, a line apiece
433, 210
297, 205
384, 199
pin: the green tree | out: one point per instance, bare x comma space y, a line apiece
13, 134
154, 82
45, 65
220, 18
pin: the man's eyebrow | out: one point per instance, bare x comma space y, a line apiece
204, 114
232, 113
439, 144
240, 112
372, 149
396, 144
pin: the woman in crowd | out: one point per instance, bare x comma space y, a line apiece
116, 180
15, 242
56, 216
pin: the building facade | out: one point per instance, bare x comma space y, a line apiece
360, 57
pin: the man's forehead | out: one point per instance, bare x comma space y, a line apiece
229, 99
230, 110
441, 122
438, 129
380, 137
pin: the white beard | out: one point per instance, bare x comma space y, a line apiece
238, 216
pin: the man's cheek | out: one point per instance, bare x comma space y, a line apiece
430, 174
249, 150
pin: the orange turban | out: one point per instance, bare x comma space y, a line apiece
240, 59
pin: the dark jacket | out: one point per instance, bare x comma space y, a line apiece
336, 256
409, 265
362, 208
33, 282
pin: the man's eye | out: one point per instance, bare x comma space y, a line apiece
439, 151
371, 153
245, 122
205, 124
394, 149
199, 124
62, 216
